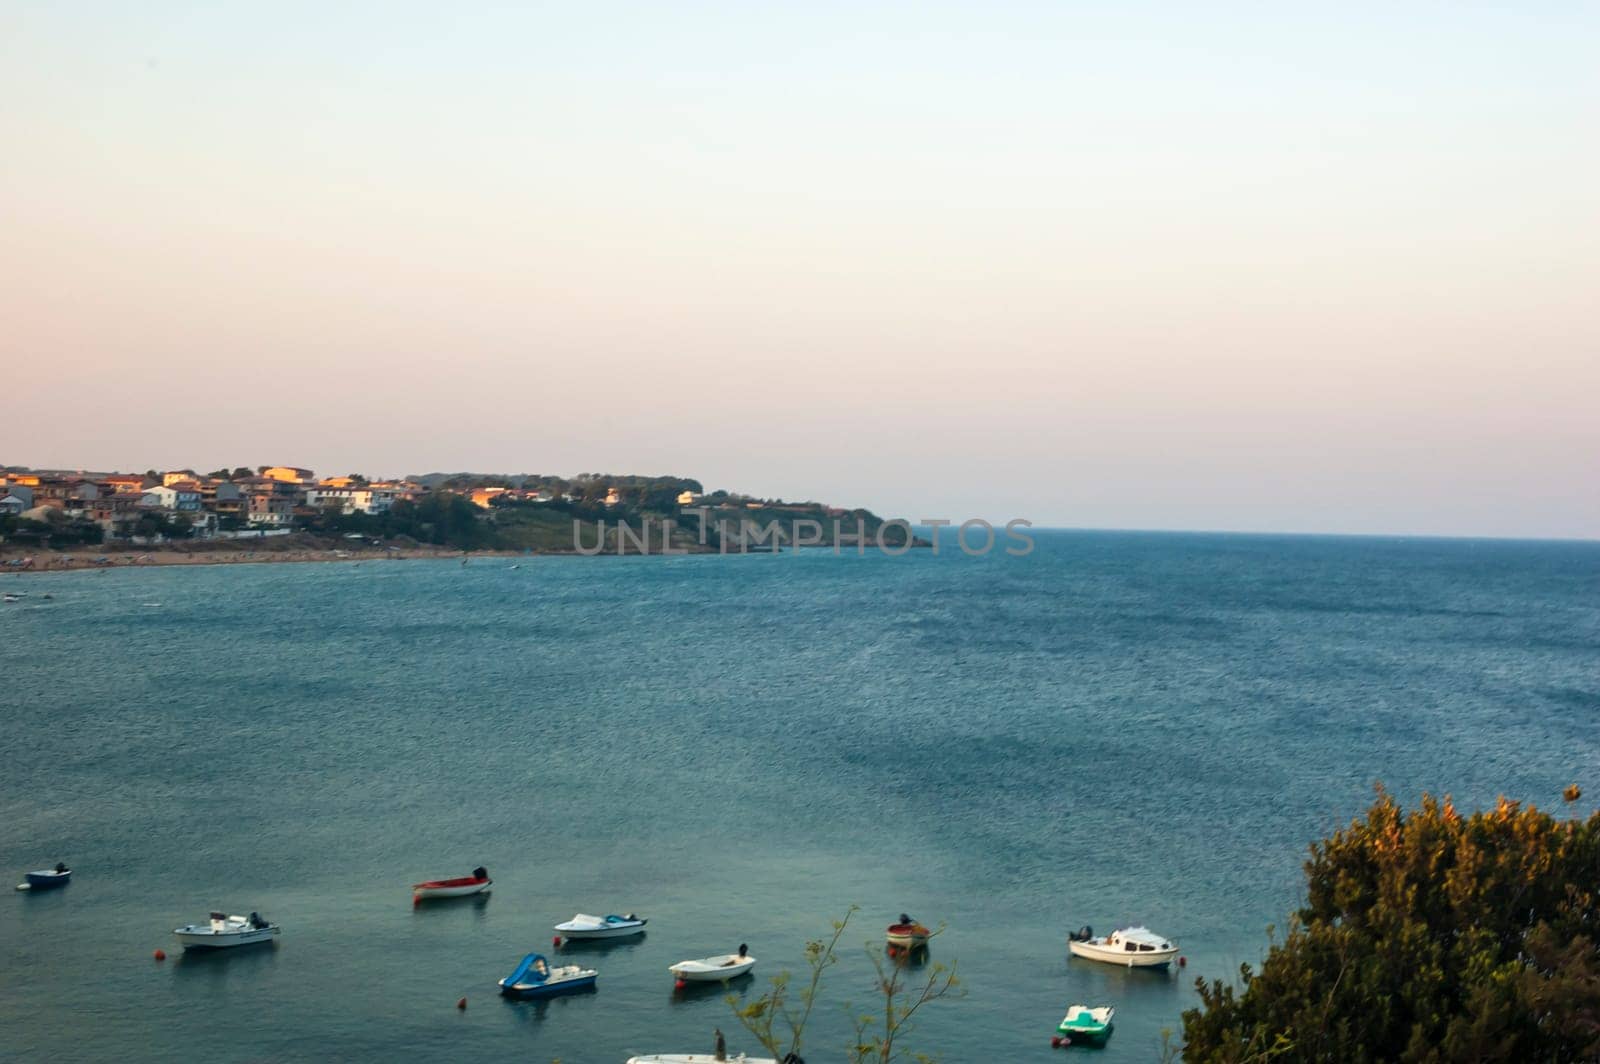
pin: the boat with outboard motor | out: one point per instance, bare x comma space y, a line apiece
535, 978
1131, 947
715, 969
613, 926
225, 932
461, 887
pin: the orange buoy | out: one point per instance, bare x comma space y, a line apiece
680, 984
556, 942
161, 954
1055, 1041
1183, 962
462, 1004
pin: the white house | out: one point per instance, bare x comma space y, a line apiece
168, 497
12, 505
352, 499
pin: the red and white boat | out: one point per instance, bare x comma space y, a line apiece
476, 883
907, 934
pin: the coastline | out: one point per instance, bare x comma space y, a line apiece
48, 561
311, 549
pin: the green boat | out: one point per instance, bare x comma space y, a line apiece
1083, 1024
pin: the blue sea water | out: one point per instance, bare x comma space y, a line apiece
1117, 728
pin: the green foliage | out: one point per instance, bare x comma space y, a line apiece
1427, 936
876, 1035
57, 530
778, 1021
763, 1017
440, 517
151, 525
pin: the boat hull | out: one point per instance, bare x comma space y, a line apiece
426, 891
46, 880
1081, 1034
600, 932
205, 939
1122, 957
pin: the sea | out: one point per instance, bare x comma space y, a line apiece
1117, 728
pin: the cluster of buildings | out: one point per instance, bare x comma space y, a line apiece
271, 499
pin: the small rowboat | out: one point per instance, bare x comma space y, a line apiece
535, 978
46, 879
584, 926
1085, 1024
715, 969
226, 932
908, 934
476, 883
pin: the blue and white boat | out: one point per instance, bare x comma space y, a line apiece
46, 879
613, 926
535, 978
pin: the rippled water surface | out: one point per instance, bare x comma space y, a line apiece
1118, 728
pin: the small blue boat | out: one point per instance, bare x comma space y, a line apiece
47, 879
535, 978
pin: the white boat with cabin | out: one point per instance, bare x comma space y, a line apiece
224, 932
1131, 947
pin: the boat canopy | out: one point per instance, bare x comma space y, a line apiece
533, 970
1140, 939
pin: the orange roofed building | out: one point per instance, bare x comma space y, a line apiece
288, 474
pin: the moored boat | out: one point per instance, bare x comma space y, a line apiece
613, 926
225, 932
715, 969
535, 978
459, 887
1085, 1024
47, 878
907, 934
1131, 947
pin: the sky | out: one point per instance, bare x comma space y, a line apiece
1274, 267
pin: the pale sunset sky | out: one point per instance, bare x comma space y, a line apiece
1327, 268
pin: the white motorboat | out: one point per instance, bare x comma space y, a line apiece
1131, 947
224, 932
715, 969
585, 926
